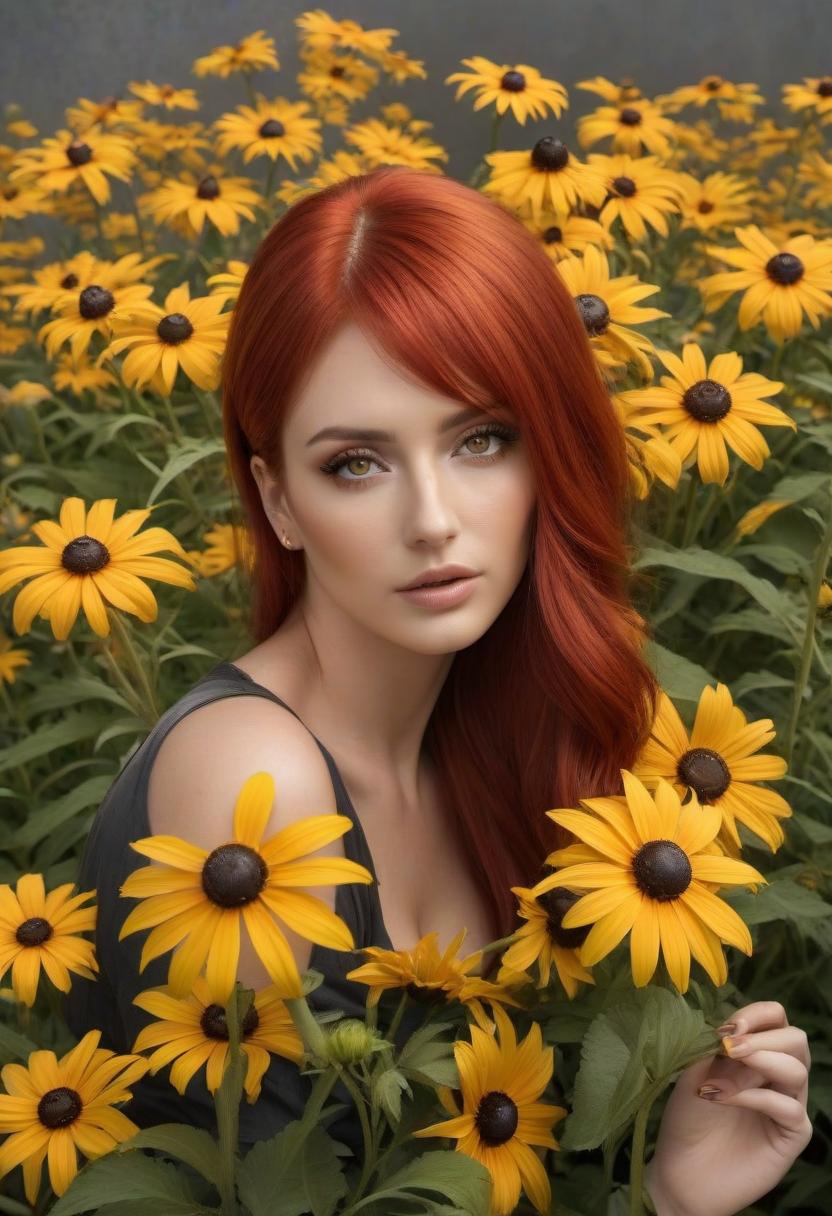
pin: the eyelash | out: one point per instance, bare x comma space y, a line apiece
508, 434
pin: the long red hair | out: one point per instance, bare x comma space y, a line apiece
556, 697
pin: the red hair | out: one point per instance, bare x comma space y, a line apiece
555, 698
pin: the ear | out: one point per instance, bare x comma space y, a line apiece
272, 496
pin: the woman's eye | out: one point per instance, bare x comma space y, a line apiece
505, 435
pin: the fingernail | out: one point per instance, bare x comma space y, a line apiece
710, 1093
728, 1028
735, 1047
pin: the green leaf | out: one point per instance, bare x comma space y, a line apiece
60, 694
291, 1176
123, 1177
387, 1092
42, 822
13, 1045
195, 1147
782, 899
629, 1055
462, 1179
48, 739
184, 457
680, 678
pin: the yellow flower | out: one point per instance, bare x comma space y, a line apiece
81, 376
756, 516
720, 200
11, 657
824, 602
815, 95
329, 77
271, 128
67, 158
55, 1107
85, 559
652, 870
193, 198
184, 333
381, 144
200, 897
516, 87
320, 32
779, 282
547, 176
228, 546
111, 112
543, 939
704, 406
193, 1028
501, 1117
165, 95
617, 94
84, 313
251, 54
634, 126
605, 305
718, 763
560, 235
39, 930
639, 189
24, 392
17, 201
711, 89
228, 282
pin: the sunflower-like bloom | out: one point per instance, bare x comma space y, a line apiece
84, 313
649, 455
271, 128
722, 199
547, 176
381, 144
251, 54
193, 198
711, 89
81, 376
39, 930
606, 306
111, 112
184, 333
228, 282
641, 191
719, 763
543, 939
319, 31
780, 283
193, 1031
18, 200
197, 898
516, 87
816, 172
331, 77
54, 1107
431, 974
561, 235
165, 95
501, 1117
67, 158
652, 867
704, 406
59, 281
229, 545
617, 94
634, 126
814, 95
756, 516
11, 657
85, 559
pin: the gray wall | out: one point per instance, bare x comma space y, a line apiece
53, 51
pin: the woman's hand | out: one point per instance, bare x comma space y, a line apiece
734, 1124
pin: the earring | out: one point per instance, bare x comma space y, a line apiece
286, 542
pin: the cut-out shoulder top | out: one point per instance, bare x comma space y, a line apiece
106, 1003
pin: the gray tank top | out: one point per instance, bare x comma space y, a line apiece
106, 1003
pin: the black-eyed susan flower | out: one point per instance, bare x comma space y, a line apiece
711, 90
155, 141
18, 200
635, 126
813, 95
607, 307
548, 176
720, 762
192, 1030
81, 314
164, 95
382, 144
640, 192
756, 516
501, 1117
81, 376
655, 864
719, 201
544, 941
824, 601
780, 283
251, 54
228, 545
649, 455
25, 393
197, 898
193, 198
86, 559
560, 235
184, 333
328, 76
112, 111
54, 1109
270, 128
320, 32
517, 87
66, 158
704, 406
228, 282
625, 90
815, 172
39, 930
11, 658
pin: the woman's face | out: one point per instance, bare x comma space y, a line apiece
372, 514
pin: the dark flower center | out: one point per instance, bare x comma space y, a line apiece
784, 268
496, 1118
552, 235
84, 555
59, 1107
550, 154
95, 302
629, 116
557, 903
707, 401
272, 128
208, 188
336, 72
704, 206
174, 328
712, 84
214, 1025
624, 186
69, 281
10, 192
705, 772
34, 931
79, 153
662, 870
594, 313
825, 88
234, 874
513, 82
425, 996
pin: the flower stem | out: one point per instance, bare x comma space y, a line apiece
309, 1029
637, 1158
122, 633
369, 1161
227, 1098
818, 573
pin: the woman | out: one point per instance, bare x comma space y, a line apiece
409, 394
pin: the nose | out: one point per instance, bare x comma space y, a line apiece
429, 513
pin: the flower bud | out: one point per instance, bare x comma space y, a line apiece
351, 1041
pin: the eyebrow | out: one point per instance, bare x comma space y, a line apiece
348, 432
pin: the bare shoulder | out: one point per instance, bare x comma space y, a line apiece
203, 763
